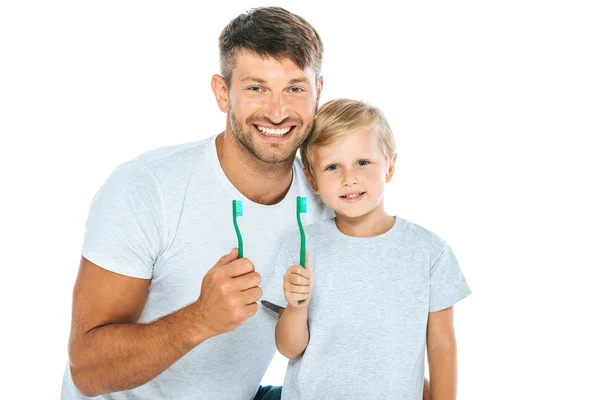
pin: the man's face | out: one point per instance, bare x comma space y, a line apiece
272, 105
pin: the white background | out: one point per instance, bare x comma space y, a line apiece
496, 110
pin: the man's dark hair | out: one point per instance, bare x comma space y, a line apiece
270, 32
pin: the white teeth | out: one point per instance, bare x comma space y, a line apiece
352, 196
274, 132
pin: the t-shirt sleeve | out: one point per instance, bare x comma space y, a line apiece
273, 297
123, 229
447, 285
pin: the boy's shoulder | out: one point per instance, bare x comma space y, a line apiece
407, 234
409, 230
416, 235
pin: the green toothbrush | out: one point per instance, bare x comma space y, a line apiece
301, 209
238, 211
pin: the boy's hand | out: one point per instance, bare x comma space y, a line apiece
297, 285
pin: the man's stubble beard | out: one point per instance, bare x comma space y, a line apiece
245, 139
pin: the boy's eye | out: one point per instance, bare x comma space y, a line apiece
331, 167
362, 163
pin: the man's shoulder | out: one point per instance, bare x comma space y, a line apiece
178, 155
168, 166
316, 233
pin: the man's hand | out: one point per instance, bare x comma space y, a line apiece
297, 285
229, 294
110, 351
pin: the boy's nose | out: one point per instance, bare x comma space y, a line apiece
349, 179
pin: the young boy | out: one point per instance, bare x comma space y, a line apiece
382, 289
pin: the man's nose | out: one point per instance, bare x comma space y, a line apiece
277, 109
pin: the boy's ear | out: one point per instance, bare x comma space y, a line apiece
311, 181
219, 88
391, 168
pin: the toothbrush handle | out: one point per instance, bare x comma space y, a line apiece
302, 245
239, 238
303, 252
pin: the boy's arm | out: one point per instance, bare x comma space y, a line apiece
441, 354
291, 333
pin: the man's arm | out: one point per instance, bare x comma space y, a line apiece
441, 354
109, 351
426, 390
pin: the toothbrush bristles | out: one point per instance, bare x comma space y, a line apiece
302, 204
239, 209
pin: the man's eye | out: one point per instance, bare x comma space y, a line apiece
254, 89
296, 90
362, 163
332, 167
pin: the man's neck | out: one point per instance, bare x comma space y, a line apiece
260, 182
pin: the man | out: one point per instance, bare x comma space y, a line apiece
158, 310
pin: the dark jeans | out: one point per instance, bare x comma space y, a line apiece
268, 393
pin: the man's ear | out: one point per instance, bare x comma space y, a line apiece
319, 88
219, 88
391, 168
311, 181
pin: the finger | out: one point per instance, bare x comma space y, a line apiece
307, 263
247, 281
311, 275
250, 309
239, 267
296, 289
298, 280
298, 270
227, 258
296, 297
251, 295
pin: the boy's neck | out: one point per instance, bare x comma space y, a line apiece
374, 223
262, 183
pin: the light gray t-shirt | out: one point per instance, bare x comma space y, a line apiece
167, 216
368, 312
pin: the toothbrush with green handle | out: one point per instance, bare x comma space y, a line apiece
238, 211
301, 209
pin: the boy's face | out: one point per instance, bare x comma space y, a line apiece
271, 106
350, 175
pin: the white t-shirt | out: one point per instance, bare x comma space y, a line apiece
368, 311
167, 216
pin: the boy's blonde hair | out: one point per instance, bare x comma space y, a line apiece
340, 118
